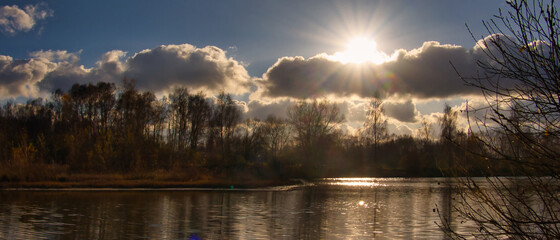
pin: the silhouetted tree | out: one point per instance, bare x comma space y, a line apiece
134, 112
425, 130
225, 117
199, 112
314, 124
179, 117
104, 104
448, 123
375, 126
449, 133
158, 119
251, 140
276, 134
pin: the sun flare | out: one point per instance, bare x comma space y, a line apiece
361, 50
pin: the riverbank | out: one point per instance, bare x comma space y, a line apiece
128, 182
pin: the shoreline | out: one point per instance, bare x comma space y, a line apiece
145, 185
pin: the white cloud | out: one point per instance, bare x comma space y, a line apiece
205, 69
56, 55
398, 128
14, 19
355, 110
433, 125
19, 77
478, 112
348, 129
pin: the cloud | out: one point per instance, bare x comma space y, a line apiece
355, 111
476, 117
64, 76
14, 19
319, 75
433, 122
55, 56
49, 70
68, 71
348, 129
261, 109
402, 111
398, 128
425, 72
18, 77
205, 68
199, 69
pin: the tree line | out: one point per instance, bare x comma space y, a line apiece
102, 128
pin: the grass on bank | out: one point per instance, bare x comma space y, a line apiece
58, 176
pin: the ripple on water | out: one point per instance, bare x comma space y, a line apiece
355, 208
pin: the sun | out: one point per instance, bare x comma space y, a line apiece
361, 50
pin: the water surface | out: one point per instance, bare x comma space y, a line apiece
364, 208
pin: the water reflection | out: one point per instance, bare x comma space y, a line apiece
331, 209
357, 182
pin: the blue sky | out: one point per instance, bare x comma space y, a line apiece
261, 31
88, 41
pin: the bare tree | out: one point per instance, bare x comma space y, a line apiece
520, 79
250, 136
314, 123
199, 111
425, 131
179, 117
134, 110
448, 124
105, 103
225, 117
375, 126
158, 118
313, 120
276, 135
449, 138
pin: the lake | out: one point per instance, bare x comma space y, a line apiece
333, 208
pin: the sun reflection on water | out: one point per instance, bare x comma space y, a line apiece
357, 182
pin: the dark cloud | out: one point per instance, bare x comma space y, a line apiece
262, 109
14, 19
402, 111
425, 72
299, 77
69, 72
207, 68
64, 76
